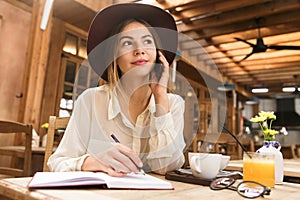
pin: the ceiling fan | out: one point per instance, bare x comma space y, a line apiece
260, 46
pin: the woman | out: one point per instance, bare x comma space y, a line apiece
134, 105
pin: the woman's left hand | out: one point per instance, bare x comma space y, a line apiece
159, 87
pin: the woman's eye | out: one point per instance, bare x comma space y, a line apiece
126, 43
148, 41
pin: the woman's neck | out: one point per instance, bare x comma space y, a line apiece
134, 103
141, 94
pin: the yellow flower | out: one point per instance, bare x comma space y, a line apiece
265, 120
268, 115
45, 125
271, 132
258, 119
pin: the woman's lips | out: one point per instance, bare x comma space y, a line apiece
140, 62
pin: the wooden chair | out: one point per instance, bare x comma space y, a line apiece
16, 152
248, 143
293, 148
216, 140
223, 144
288, 151
55, 123
297, 150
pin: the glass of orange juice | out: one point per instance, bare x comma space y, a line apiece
259, 167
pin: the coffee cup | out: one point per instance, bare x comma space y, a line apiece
224, 162
205, 165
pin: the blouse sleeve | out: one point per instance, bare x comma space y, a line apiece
72, 150
167, 141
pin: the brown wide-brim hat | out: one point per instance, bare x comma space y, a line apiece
108, 18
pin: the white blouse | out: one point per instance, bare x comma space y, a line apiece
158, 141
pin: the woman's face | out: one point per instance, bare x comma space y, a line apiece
136, 49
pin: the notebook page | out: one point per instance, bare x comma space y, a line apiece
129, 181
60, 179
136, 181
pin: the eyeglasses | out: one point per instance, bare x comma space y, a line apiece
247, 189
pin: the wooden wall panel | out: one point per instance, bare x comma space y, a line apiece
14, 33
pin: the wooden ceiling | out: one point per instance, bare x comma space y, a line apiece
215, 24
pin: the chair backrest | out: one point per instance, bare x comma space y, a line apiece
224, 139
248, 144
209, 139
297, 150
55, 123
24, 151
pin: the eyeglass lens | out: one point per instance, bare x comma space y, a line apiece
221, 183
250, 189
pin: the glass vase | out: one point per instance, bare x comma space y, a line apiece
274, 147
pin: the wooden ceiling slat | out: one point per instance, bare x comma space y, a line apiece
285, 77
269, 54
279, 59
169, 5
260, 68
293, 17
267, 83
283, 39
272, 30
217, 7
239, 15
240, 53
280, 72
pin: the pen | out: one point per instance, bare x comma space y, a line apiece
117, 141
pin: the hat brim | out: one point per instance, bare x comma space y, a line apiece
109, 17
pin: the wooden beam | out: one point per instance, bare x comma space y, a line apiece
291, 17
261, 62
214, 7
35, 66
236, 74
287, 37
53, 75
20, 4
169, 4
273, 30
238, 15
269, 74
95, 4
74, 13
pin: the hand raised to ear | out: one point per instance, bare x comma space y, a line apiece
158, 86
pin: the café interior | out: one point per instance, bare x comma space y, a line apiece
234, 59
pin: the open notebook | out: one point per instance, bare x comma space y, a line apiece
70, 179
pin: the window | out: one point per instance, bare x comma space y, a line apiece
78, 75
71, 45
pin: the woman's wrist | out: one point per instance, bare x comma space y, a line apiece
162, 104
90, 164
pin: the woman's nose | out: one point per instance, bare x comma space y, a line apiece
139, 51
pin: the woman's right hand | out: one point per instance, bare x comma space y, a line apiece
116, 161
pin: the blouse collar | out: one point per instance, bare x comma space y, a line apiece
114, 107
